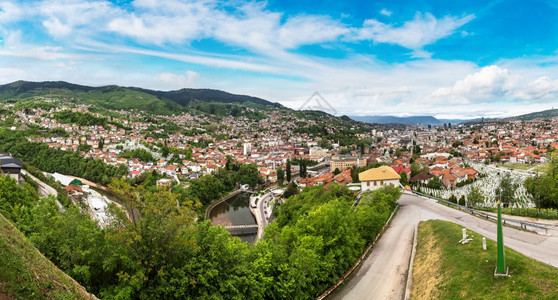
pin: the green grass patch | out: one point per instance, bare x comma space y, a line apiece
524, 167
541, 168
26, 274
444, 269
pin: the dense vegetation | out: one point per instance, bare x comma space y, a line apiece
53, 160
162, 253
79, 118
544, 189
138, 153
224, 180
26, 274
108, 97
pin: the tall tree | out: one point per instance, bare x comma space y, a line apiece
336, 171
280, 176
475, 197
404, 180
506, 190
544, 189
288, 170
156, 238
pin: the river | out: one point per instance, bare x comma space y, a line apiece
234, 211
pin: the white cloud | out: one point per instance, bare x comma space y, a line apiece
9, 12
307, 30
164, 21
178, 80
423, 30
485, 85
386, 12
537, 89
63, 17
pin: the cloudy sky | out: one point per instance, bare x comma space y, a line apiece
450, 59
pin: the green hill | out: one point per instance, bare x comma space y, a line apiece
109, 97
551, 113
186, 97
117, 97
26, 274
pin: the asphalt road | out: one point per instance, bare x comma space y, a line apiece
383, 274
44, 189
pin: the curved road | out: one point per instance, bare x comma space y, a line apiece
383, 274
44, 189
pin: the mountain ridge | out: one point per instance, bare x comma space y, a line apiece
426, 120
184, 97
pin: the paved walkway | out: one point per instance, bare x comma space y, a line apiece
383, 273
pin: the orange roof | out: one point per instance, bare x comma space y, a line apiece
380, 173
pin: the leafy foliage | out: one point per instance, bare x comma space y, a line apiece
160, 252
79, 118
544, 189
138, 153
53, 160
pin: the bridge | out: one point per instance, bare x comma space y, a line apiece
242, 229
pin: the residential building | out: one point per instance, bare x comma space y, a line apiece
375, 178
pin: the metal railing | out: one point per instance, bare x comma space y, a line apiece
519, 223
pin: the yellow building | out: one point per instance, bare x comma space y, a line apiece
343, 162
375, 178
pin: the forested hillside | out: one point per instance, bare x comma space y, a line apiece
165, 254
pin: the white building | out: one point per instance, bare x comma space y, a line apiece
247, 148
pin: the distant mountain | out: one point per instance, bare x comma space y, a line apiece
23, 89
117, 97
551, 113
392, 119
426, 120
185, 97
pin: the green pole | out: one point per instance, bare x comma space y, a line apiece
501, 266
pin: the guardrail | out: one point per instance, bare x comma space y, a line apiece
521, 224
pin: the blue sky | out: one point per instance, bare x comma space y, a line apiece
451, 59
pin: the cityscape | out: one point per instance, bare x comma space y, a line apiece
263, 150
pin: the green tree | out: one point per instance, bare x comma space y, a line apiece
145, 245
434, 183
288, 167
417, 168
404, 180
336, 171
506, 190
280, 176
462, 200
544, 189
475, 197
292, 189
452, 198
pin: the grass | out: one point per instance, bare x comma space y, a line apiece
26, 274
444, 269
541, 168
523, 167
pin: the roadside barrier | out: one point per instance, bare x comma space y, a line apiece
519, 223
